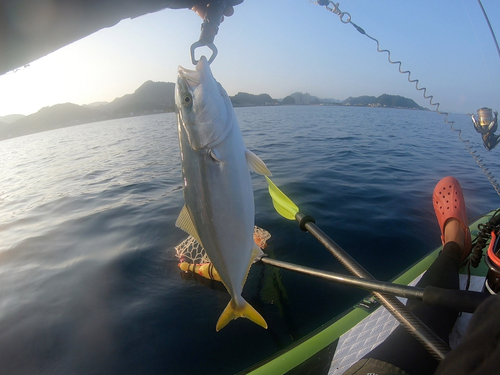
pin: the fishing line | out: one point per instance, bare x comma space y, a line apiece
489, 25
346, 19
481, 49
478, 44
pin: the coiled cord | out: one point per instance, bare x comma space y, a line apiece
483, 237
346, 18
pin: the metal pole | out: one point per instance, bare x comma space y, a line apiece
460, 300
370, 285
423, 334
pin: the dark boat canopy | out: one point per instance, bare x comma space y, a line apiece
30, 29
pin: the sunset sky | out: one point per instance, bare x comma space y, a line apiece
280, 47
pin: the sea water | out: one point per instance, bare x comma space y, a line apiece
89, 283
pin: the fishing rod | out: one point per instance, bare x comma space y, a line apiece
459, 300
489, 25
423, 334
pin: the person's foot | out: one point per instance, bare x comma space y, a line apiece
454, 231
449, 205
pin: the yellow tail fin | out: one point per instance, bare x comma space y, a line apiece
245, 310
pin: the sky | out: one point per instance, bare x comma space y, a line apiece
279, 47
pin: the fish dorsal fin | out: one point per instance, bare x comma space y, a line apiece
185, 223
214, 154
256, 164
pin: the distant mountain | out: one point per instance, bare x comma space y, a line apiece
243, 99
331, 101
10, 118
385, 100
48, 118
151, 97
158, 97
300, 98
95, 104
360, 100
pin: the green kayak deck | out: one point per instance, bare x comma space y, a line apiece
339, 343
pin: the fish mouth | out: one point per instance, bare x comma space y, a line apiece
188, 78
193, 78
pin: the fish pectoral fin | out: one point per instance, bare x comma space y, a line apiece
185, 223
244, 310
214, 154
256, 164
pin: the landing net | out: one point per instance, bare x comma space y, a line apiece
192, 252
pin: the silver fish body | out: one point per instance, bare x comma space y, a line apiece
219, 205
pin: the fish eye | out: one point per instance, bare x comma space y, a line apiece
187, 100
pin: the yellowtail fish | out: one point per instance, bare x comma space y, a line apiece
219, 205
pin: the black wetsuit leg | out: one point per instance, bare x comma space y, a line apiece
400, 348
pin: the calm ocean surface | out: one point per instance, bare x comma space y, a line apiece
89, 283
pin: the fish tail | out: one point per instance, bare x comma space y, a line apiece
234, 311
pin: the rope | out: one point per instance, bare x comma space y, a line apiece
346, 18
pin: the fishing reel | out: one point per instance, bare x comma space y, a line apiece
486, 125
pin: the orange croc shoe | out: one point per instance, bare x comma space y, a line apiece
449, 202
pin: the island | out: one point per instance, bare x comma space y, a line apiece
159, 97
